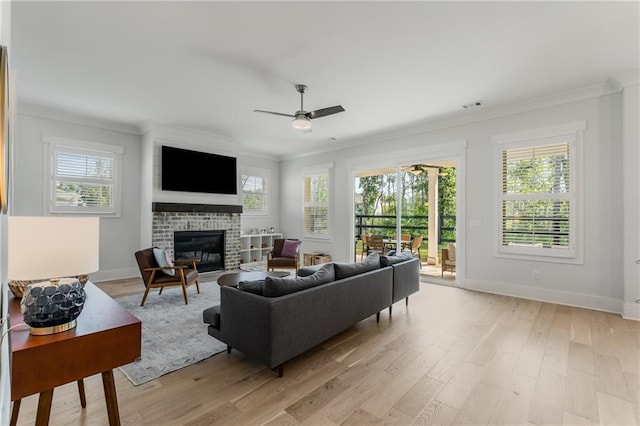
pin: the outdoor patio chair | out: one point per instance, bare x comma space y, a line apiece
449, 259
365, 248
375, 243
415, 248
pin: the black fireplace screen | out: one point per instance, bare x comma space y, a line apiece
205, 246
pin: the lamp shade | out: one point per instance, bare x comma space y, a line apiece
50, 246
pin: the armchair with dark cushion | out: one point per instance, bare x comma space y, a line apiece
154, 277
279, 257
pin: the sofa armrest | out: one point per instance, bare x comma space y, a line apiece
245, 322
406, 279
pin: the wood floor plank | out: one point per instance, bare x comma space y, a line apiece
414, 401
436, 413
514, 401
609, 376
456, 391
547, 403
580, 396
615, 411
581, 358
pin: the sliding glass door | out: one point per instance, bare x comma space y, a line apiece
411, 207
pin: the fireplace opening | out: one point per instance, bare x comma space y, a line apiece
205, 246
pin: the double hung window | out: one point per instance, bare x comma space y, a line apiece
538, 200
317, 213
83, 177
255, 192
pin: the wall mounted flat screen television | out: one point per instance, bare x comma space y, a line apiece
193, 171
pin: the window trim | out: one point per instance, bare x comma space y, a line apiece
319, 169
53, 144
264, 174
566, 132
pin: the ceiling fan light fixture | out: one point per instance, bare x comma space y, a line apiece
302, 123
416, 169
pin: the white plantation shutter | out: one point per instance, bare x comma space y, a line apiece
83, 180
255, 194
316, 204
537, 197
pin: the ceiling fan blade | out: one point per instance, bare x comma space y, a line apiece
325, 111
274, 113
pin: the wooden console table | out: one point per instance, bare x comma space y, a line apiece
107, 336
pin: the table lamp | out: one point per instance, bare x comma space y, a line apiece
52, 247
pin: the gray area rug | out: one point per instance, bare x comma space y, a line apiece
173, 334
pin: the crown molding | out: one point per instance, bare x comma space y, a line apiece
460, 118
199, 138
625, 80
42, 111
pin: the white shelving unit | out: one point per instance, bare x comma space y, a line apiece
254, 249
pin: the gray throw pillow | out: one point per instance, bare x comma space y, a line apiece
275, 287
255, 287
392, 260
345, 270
305, 271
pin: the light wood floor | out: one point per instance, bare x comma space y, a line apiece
453, 357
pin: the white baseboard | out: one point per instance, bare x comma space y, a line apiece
631, 311
114, 274
547, 295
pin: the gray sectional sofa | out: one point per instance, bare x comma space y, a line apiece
274, 320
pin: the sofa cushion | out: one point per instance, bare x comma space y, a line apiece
211, 316
163, 260
255, 287
305, 271
345, 270
392, 260
275, 287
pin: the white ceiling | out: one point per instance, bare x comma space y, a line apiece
208, 65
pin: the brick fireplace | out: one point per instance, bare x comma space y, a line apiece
169, 218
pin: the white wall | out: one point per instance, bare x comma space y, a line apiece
119, 236
631, 191
597, 283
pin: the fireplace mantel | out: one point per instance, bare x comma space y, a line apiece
195, 208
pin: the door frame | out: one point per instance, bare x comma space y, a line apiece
454, 150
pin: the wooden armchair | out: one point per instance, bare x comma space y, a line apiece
279, 259
449, 259
153, 277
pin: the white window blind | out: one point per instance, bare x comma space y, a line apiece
316, 204
83, 180
255, 194
536, 196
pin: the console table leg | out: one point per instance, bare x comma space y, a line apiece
83, 396
44, 407
111, 398
14, 412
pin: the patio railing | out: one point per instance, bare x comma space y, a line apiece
415, 225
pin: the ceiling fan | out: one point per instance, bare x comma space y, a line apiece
302, 119
416, 169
